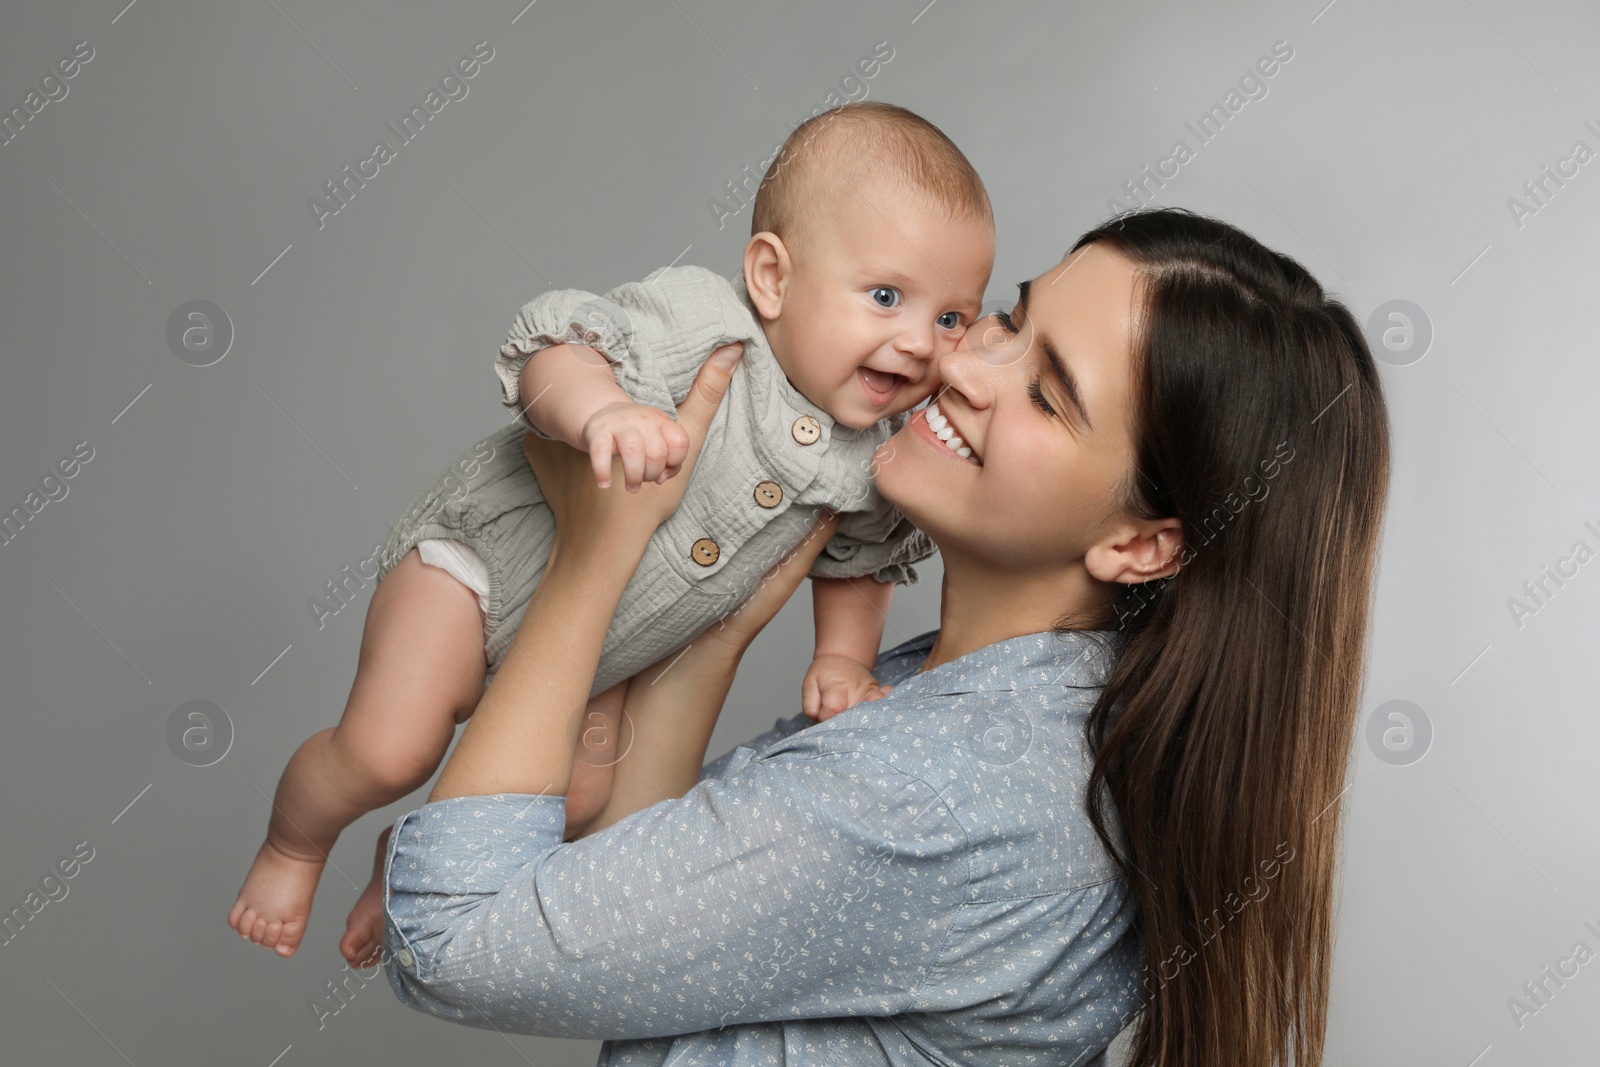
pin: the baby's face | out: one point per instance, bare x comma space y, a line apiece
878, 292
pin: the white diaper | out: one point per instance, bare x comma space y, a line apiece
457, 559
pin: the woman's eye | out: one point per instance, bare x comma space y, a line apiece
1006, 323
1036, 394
950, 320
885, 297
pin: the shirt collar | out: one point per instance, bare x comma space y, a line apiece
1069, 659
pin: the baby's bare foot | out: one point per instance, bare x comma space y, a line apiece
363, 930
274, 904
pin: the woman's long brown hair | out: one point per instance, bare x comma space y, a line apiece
1223, 734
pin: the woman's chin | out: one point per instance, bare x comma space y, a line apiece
913, 487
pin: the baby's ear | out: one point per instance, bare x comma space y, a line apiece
766, 273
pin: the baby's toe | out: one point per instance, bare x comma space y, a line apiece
361, 953
288, 938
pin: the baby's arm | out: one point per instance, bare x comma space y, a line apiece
850, 615
571, 394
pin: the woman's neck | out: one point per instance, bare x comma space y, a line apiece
981, 604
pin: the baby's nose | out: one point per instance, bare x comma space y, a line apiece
916, 342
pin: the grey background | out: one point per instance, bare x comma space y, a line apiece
181, 563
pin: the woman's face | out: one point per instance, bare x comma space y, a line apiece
1041, 398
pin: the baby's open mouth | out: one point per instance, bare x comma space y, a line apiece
880, 386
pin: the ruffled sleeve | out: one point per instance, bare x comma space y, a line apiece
655, 333
881, 543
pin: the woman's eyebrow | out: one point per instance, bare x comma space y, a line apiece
1058, 366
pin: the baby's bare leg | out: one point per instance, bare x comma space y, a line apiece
600, 744
421, 672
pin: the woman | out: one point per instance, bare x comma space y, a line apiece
1162, 544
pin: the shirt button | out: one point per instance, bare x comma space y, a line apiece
405, 957
806, 429
769, 494
704, 552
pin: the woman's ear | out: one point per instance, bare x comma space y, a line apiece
766, 273
1140, 551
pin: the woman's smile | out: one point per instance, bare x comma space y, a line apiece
933, 425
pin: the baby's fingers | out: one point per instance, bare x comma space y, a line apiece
600, 453
810, 697
655, 457
677, 441
836, 697
631, 447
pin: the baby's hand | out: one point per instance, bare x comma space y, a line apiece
651, 445
835, 683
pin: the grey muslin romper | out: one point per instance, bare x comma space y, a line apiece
772, 460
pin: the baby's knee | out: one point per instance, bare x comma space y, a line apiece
385, 770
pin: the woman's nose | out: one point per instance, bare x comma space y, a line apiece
967, 370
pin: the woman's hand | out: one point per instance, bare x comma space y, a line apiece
586, 514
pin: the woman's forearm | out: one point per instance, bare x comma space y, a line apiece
522, 736
672, 708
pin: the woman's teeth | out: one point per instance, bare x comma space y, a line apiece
945, 432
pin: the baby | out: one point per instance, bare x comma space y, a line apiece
872, 242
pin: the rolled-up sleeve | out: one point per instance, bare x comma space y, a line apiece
809, 885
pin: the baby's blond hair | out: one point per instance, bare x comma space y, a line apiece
880, 138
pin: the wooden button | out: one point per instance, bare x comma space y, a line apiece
704, 552
769, 494
807, 429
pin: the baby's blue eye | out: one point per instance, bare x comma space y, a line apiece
885, 297
950, 320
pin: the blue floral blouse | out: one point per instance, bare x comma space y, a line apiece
914, 881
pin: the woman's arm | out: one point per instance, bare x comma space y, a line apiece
673, 705
815, 881
522, 736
